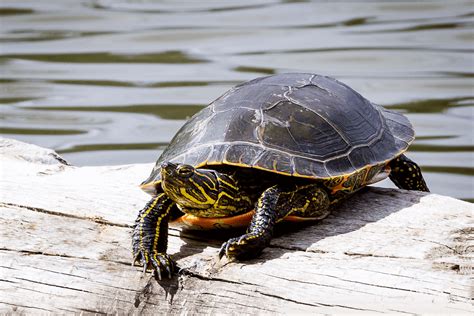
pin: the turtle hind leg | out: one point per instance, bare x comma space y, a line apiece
407, 175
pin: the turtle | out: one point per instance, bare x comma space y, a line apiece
284, 147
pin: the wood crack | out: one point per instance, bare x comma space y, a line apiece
288, 299
319, 304
187, 272
317, 284
28, 252
53, 285
239, 304
376, 285
7, 281
16, 305
347, 253
92, 311
41, 210
358, 254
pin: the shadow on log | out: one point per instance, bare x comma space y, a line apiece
65, 248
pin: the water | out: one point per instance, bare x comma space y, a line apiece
110, 82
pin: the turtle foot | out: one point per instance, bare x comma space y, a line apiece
247, 246
160, 263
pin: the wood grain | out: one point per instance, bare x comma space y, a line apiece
65, 248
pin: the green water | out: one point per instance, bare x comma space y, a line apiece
110, 82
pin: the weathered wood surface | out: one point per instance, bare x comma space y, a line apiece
65, 247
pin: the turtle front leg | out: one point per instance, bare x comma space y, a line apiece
310, 201
260, 231
407, 175
150, 236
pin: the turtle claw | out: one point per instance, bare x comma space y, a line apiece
244, 247
162, 263
228, 247
135, 259
223, 250
139, 260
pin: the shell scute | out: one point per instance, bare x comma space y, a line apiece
242, 154
276, 161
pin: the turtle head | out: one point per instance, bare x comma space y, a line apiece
190, 187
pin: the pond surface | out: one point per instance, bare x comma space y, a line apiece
110, 82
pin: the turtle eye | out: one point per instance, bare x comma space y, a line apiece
185, 171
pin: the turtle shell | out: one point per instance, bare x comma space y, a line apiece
296, 124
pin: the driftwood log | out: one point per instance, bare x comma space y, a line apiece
65, 248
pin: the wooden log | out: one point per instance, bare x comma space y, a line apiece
66, 248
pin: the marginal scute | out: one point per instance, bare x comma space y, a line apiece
217, 154
309, 168
276, 161
339, 165
242, 154
361, 156
297, 124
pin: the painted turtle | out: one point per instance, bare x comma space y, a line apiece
286, 146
